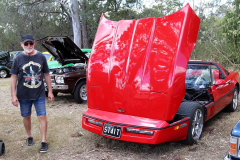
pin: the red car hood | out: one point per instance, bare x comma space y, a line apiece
138, 67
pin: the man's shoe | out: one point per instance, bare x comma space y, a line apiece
29, 141
44, 147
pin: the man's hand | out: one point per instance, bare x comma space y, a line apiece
48, 81
15, 101
50, 96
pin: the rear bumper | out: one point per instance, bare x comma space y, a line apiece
163, 131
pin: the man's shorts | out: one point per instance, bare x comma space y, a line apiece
26, 107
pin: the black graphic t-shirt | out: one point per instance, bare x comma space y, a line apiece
30, 70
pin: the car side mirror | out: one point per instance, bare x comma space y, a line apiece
220, 82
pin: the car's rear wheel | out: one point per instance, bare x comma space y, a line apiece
3, 73
233, 105
80, 92
195, 112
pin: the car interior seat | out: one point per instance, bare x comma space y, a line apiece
206, 76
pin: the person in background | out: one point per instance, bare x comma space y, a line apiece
27, 88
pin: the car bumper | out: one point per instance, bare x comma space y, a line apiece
228, 157
163, 131
57, 87
60, 87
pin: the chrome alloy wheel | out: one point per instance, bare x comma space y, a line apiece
197, 124
83, 92
3, 74
235, 99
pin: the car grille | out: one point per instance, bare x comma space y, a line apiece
52, 79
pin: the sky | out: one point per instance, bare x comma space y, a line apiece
193, 4
148, 3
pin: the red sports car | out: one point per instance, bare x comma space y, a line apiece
143, 88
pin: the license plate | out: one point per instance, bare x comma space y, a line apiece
113, 131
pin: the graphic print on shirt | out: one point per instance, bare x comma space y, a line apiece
32, 74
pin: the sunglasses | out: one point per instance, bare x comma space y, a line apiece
26, 44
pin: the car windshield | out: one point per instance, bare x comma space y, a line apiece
13, 54
47, 56
197, 76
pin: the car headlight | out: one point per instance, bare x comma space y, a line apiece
233, 143
59, 79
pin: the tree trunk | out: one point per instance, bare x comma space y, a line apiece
76, 23
84, 25
69, 20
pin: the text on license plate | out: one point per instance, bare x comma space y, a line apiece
113, 131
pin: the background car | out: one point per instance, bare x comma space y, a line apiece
5, 65
68, 71
48, 56
13, 54
54, 64
6, 60
234, 144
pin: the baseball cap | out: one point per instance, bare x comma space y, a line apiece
27, 37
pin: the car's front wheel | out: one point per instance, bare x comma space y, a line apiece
195, 112
80, 92
3, 73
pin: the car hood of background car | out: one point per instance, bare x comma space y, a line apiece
142, 64
63, 49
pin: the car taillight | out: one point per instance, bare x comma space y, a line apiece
233, 143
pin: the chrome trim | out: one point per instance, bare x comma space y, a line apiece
63, 87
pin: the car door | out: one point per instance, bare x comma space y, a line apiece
220, 92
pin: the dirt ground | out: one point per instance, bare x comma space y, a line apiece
68, 140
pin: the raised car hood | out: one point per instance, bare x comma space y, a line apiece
63, 49
138, 67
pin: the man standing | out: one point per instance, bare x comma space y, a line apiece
27, 72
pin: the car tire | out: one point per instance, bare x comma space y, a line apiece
80, 92
3, 73
233, 105
2, 148
195, 112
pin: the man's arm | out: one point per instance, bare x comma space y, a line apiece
13, 90
48, 81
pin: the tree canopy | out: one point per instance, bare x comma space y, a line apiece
218, 38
